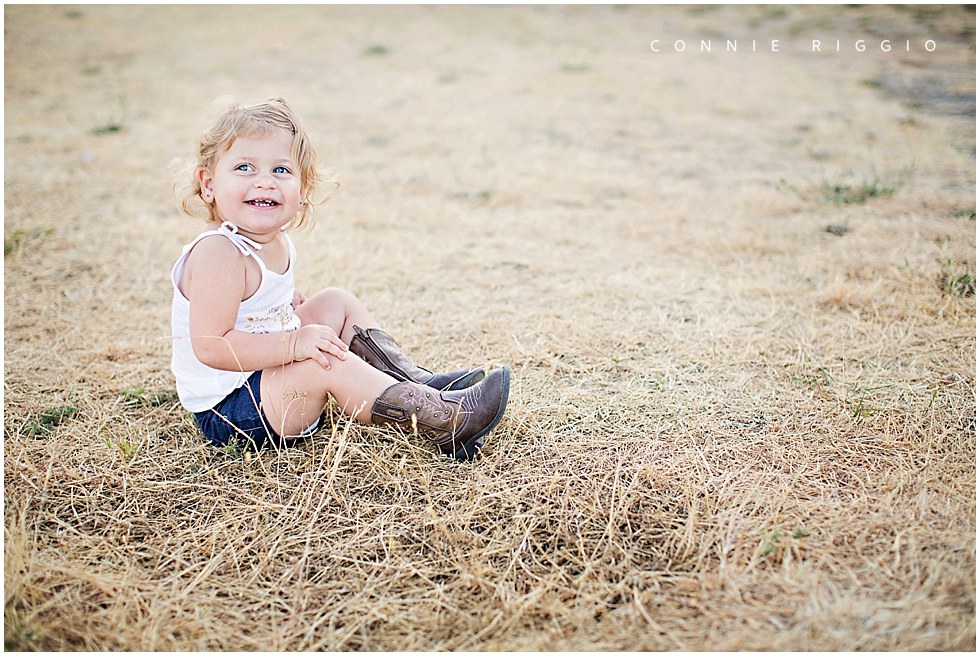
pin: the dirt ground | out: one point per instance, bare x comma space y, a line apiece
736, 288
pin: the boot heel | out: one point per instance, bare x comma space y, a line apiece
471, 447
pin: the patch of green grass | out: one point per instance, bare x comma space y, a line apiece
864, 407
775, 542
377, 50
966, 214
818, 377
138, 396
49, 419
21, 640
115, 118
963, 285
954, 281
13, 241
108, 128
134, 396
478, 197
842, 193
127, 449
772, 543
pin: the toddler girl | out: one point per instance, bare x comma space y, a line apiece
254, 359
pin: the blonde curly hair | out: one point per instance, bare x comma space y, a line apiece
232, 120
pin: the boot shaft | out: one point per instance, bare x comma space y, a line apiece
381, 351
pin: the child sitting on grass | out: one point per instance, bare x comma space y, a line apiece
255, 360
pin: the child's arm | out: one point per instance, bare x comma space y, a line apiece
214, 281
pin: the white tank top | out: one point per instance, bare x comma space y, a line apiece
268, 310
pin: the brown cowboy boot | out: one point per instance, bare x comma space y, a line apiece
379, 349
455, 421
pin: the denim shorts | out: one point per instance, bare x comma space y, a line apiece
238, 419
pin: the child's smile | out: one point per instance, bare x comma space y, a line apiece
255, 184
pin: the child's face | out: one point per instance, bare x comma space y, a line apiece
255, 184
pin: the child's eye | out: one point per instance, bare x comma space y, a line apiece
281, 169
243, 167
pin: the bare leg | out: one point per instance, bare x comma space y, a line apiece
294, 395
338, 309
342, 311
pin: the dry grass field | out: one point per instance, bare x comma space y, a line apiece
736, 291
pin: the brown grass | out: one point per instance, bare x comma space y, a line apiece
730, 428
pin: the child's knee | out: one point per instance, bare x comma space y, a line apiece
335, 295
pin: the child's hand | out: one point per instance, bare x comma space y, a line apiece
317, 341
298, 298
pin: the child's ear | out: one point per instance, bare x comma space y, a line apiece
206, 182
